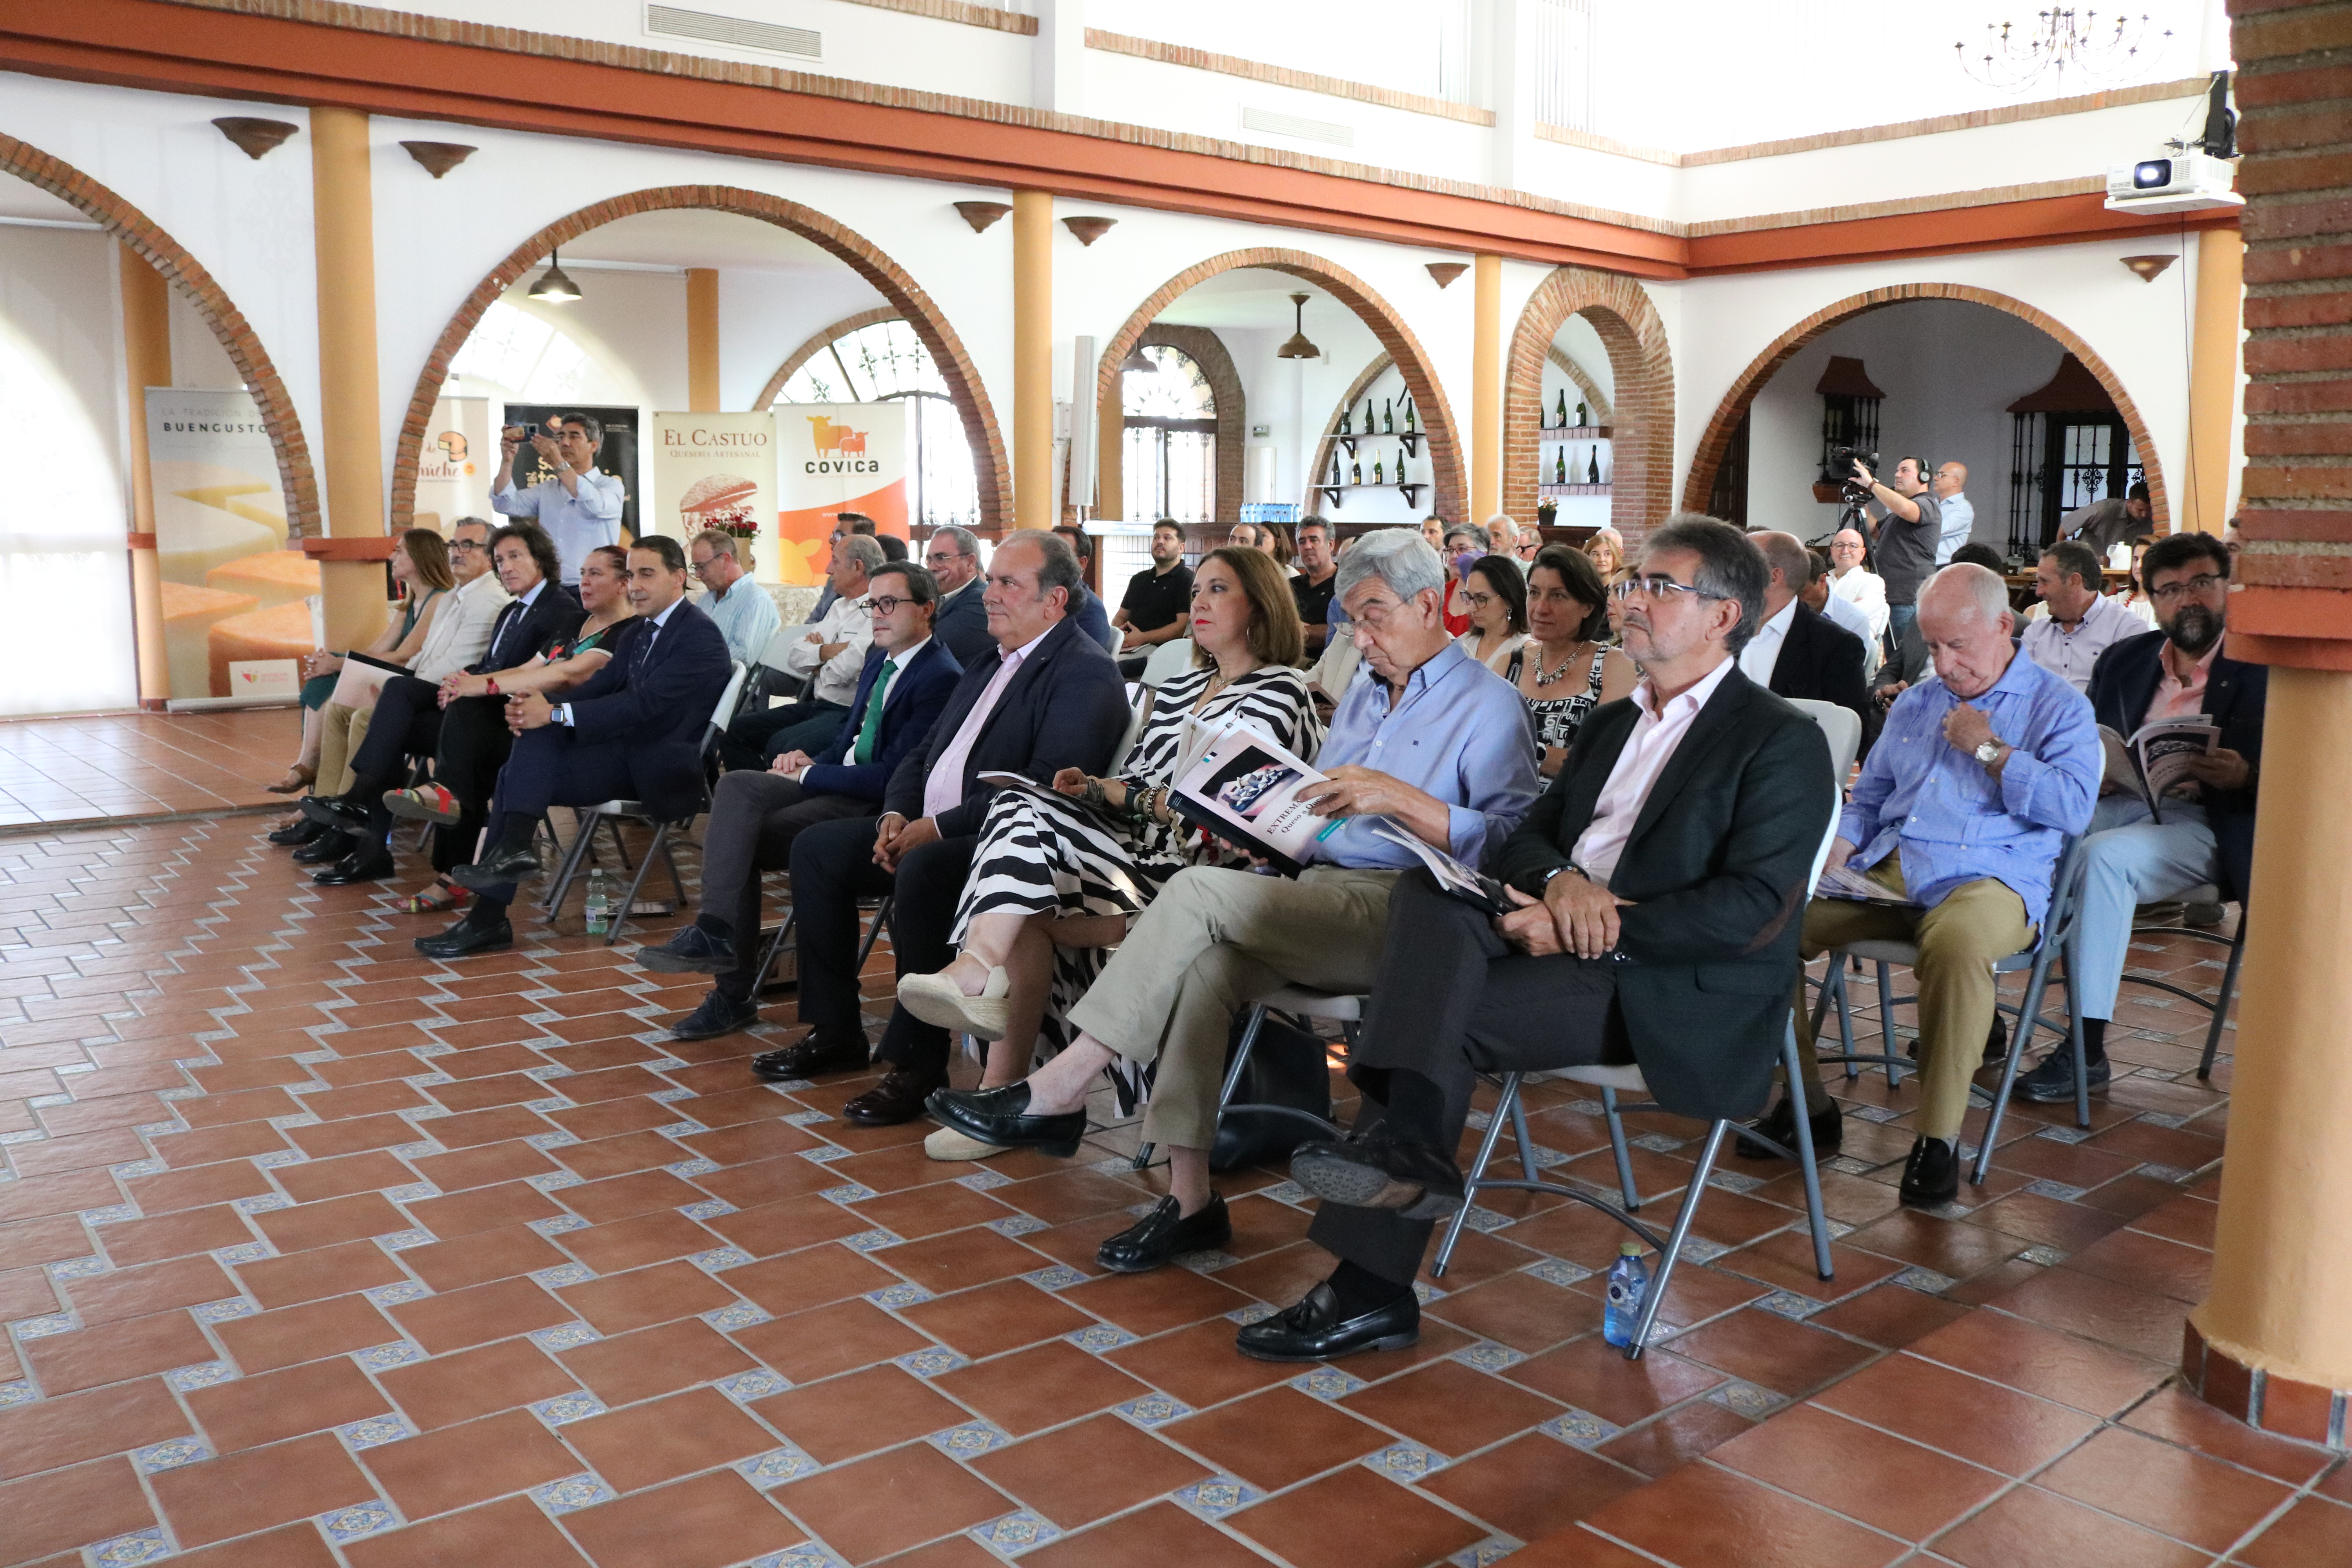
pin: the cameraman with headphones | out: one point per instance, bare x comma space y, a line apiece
1906, 537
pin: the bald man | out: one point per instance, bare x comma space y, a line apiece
1959, 514
1796, 652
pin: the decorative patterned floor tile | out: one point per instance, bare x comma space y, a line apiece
870, 1240
1491, 1550
564, 1337
171, 1456
848, 1192
2044, 1188
1017, 1225
2047, 1256
1014, 1533
573, 1493
144, 1546
42, 1327
1407, 1461
979, 1181
1579, 1428
721, 1258
777, 1467
1488, 1356
401, 1240
931, 1363
897, 1295
1153, 1409
352, 1523
689, 1169
203, 1374
1218, 1496
1100, 1338
565, 1274
568, 1407
743, 1315
1557, 1271
1255, 1313
1745, 1397
753, 1384
1926, 1280
221, 1311
708, 1208
971, 1437
400, 1353
1790, 1304
1328, 1383
376, 1431
16, 1393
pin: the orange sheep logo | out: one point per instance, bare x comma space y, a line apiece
837, 438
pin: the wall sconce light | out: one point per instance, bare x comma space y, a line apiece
1446, 272
438, 158
255, 137
2149, 267
555, 286
980, 214
1089, 229
1298, 347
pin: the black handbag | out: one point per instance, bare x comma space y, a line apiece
1288, 1068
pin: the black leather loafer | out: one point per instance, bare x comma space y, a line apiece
1000, 1116
331, 846
719, 1014
1165, 1232
1780, 1124
334, 811
357, 867
1931, 1177
812, 1056
691, 952
1419, 1181
467, 936
898, 1099
296, 832
1314, 1331
502, 869
2052, 1082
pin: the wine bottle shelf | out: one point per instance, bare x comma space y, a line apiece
1550, 490
1412, 439
1412, 489
1579, 431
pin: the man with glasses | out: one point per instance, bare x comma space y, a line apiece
756, 816
580, 507
746, 617
2207, 834
953, 556
829, 656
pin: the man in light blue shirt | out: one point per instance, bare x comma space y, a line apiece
580, 507
1427, 741
1959, 513
745, 614
1980, 774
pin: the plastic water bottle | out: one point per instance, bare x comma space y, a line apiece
1629, 1281
600, 907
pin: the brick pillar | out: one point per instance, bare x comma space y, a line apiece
2272, 1343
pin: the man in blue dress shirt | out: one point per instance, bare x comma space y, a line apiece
580, 507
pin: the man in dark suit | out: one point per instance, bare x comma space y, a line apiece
756, 816
961, 624
2177, 671
632, 731
1659, 882
1050, 700
1796, 652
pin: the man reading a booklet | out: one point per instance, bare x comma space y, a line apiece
2176, 810
1957, 821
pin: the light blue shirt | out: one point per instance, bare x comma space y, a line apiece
1459, 732
1960, 521
1950, 819
577, 523
747, 618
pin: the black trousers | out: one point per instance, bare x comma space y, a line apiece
754, 818
475, 744
407, 720
832, 867
1465, 1002
758, 738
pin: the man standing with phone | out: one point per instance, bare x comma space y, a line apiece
580, 508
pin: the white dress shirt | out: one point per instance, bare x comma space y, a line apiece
2070, 655
1848, 613
578, 522
1763, 651
1865, 590
1647, 751
944, 787
834, 679
461, 628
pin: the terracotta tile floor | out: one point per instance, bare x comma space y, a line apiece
116, 766
315, 1252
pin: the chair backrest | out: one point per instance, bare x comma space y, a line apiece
1141, 715
772, 655
1168, 661
1842, 727
724, 713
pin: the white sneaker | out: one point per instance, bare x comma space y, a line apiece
947, 1144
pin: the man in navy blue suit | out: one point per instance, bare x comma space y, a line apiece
632, 731
755, 816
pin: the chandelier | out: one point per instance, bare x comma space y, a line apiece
2018, 56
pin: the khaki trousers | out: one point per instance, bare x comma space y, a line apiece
1959, 941
341, 730
1209, 945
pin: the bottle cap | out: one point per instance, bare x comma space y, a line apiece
1630, 1249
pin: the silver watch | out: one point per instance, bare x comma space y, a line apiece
1989, 754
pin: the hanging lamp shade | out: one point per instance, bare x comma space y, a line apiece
1298, 347
555, 285
1137, 362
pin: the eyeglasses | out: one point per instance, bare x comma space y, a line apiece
2200, 586
460, 546
1656, 587
702, 568
1477, 601
887, 606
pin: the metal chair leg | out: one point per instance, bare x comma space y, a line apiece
1617, 1147
873, 933
2036, 992
583, 841
1807, 1162
1477, 1172
616, 917
1886, 1025
2221, 1002
1520, 1132
1845, 1019
1674, 1249
2074, 1044
1247, 1042
775, 950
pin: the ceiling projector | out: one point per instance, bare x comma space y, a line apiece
2174, 182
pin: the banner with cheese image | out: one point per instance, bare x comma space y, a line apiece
717, 470
832, 458
456, 464
233, 591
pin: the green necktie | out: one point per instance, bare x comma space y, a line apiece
872, 726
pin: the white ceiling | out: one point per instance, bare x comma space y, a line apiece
21, 198
693, 237
1250, 298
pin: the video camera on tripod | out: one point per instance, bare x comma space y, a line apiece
1838, 469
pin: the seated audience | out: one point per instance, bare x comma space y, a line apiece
407, 718
475, 741
1961, 807
844, 524
2082, 622
1796, 652
1085, 607
1565, 668
1453, 768
1050, 700
1503, 535
631, 732
755, 817
2133, 594
830, 657
961, 621
1157, 601
1273, 539
1243, 536
1433, 530
2207, 833
1606, 551
1836, 607
1056, 879
1673, 948
1465, 545
1315, 586
1852, 580
1530, 544
1908, 664
1495, 595
742, 610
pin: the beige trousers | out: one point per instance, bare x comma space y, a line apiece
1209, 945
341, 730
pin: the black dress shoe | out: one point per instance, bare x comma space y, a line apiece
1780, 1124
1166, 1232
502, 869
359, 866
334, 811
2054, 1081
1314, 1331
1419, 1181
1002, 1117
719, 1014
331, 846
897, 1098
691, 952
1931, 1177
467, 936
811, 1056
296, 832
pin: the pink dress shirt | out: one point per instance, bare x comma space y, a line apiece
1647, 751
2178, 698
944, 786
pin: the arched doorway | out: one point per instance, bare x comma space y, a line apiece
1716, 444
1638, 411
881, 359
992, 468
1182, 430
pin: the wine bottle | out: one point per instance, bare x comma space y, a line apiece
1563, 408
1355, 472
1346, 415
1593, 466
1388, 417
1582, 416
1559, 467
1337, 477
1409, 425
1368, 426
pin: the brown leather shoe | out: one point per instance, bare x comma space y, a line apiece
897, 1098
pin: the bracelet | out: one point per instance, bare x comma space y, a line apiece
492, 689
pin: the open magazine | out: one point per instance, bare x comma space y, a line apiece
1465, 882
1845, 882
1243, 787
2155, 760
361, 681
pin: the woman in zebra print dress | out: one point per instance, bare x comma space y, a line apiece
1057, 877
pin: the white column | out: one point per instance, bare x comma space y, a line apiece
1511, 77
1059, 64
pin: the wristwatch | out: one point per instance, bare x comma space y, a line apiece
1987, 753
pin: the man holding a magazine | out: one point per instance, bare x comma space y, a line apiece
2183, 724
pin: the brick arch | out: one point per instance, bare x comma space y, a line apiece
1642, 450
991, 465
297, 480
817, 343
1395, 338
1698, 486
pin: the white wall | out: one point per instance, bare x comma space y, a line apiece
764, 316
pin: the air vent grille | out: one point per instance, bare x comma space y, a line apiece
1293, 125
680, 23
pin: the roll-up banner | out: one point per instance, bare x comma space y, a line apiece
717, 470
233, 593
457, 465
832, 458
